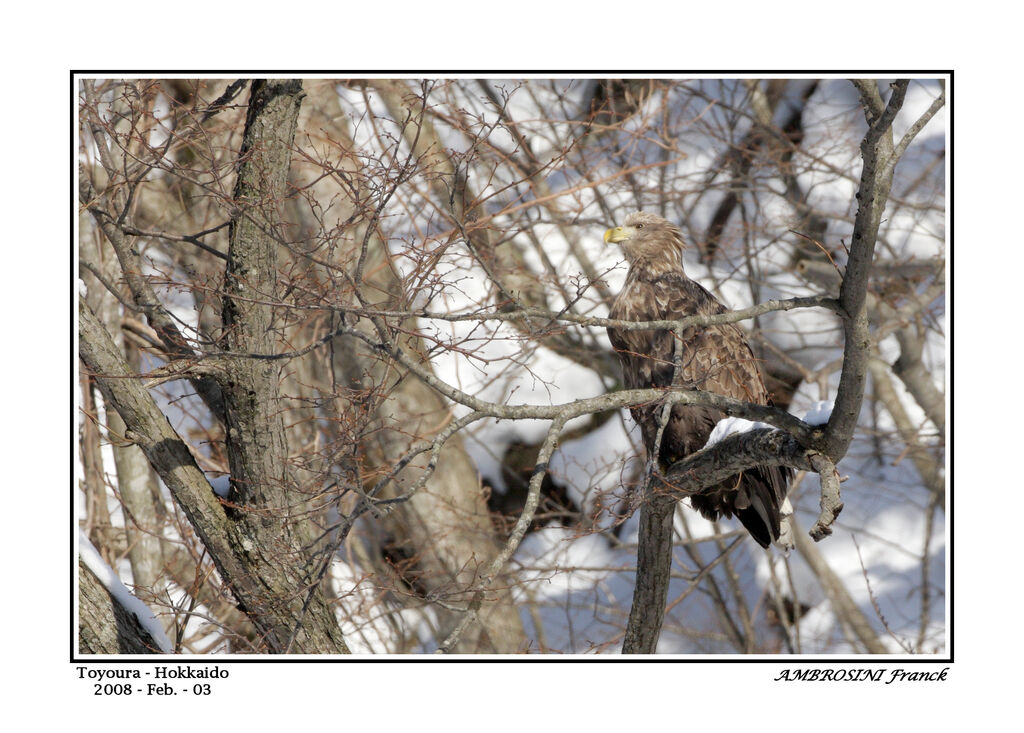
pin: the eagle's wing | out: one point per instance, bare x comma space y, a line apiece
711, 359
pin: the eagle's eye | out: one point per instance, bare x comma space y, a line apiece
640, 226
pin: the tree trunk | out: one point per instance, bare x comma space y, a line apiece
268, 516
653, 571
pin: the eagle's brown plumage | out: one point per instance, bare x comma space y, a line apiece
713, 359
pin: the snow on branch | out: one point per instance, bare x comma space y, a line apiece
121, 595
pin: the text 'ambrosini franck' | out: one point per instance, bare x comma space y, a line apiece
861, 675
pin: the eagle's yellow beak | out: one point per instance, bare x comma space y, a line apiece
617, 234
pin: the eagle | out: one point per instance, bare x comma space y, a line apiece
711, 359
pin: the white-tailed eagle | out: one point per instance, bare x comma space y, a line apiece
713, 359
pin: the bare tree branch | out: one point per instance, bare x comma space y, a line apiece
876, 181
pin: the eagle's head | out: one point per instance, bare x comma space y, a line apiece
648, 239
